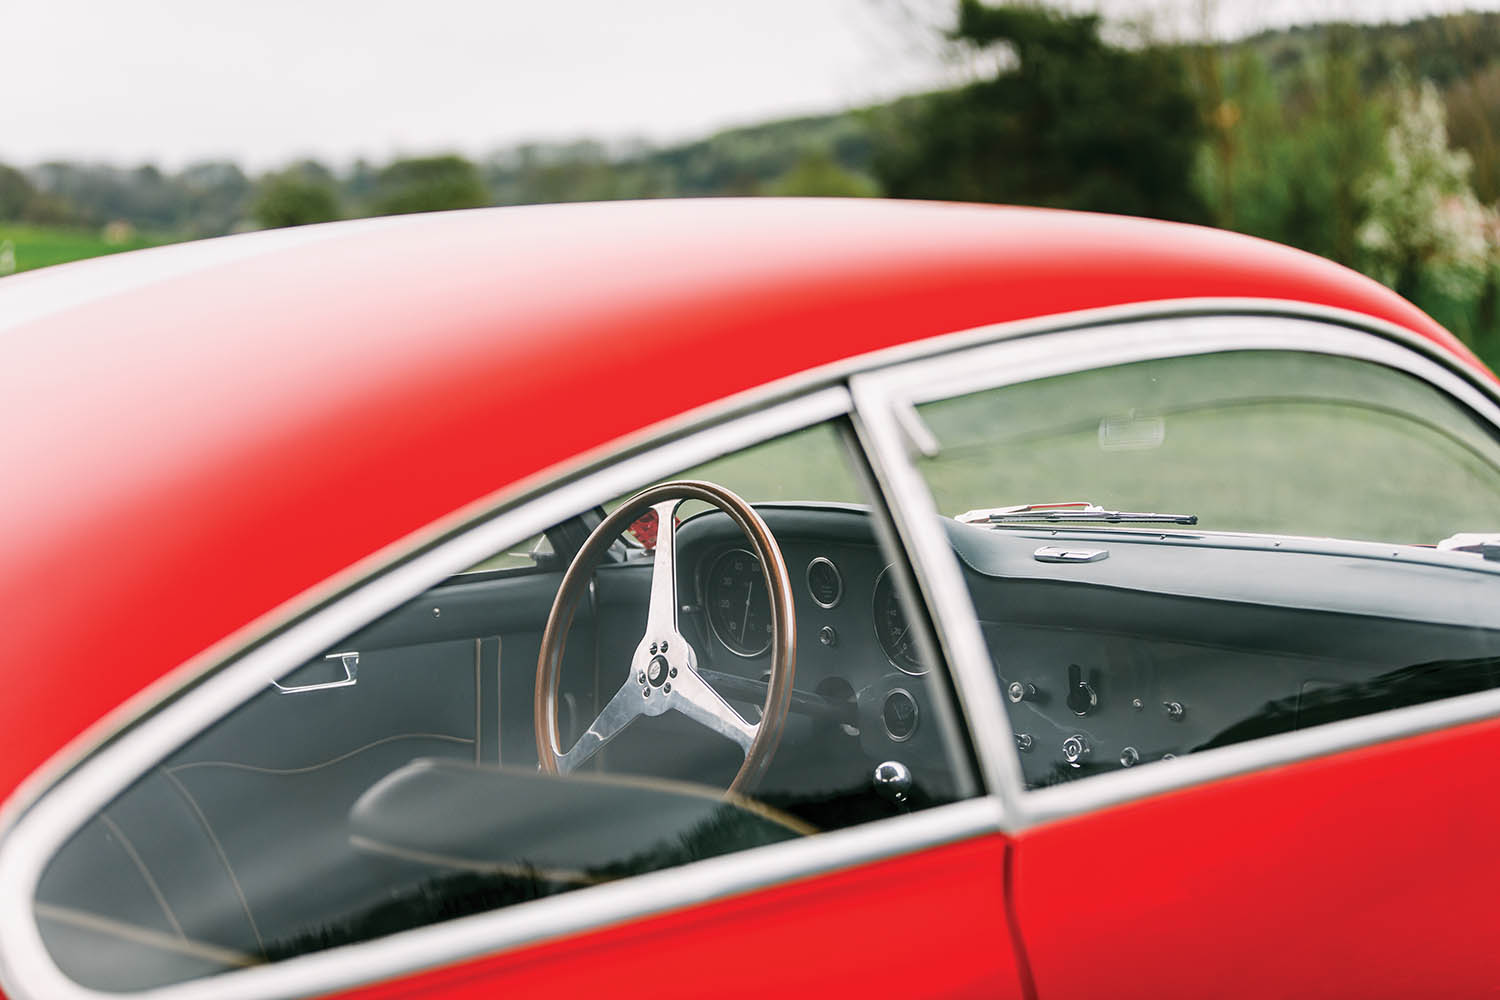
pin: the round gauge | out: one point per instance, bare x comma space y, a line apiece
892, 628
739, 611
825, 583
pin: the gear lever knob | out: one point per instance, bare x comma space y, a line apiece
892, 780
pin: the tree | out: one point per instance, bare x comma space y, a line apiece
16, 193
293, 197
1288, 151
818, 175
429, 184
1076, 123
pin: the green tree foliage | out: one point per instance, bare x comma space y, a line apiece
817, 175
1474, 125
429, 184
1077, 123
16, 193
295, 197
22, 201
1287, 152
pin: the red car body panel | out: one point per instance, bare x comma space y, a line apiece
1269, 886
187, 455
927, 924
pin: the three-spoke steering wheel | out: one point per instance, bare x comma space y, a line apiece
663, 672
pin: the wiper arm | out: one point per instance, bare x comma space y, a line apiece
1077, 512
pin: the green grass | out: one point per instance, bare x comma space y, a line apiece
42, 246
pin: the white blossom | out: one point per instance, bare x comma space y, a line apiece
1425, 222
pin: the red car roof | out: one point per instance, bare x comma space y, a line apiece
198, 433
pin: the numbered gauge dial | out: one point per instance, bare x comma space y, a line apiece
892, 628
739, 609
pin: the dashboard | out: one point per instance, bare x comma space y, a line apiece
1161, 644
858, 665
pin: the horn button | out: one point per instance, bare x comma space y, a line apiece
656, 671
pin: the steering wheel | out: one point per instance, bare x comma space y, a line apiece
663, 673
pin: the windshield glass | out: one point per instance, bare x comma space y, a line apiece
1260, 441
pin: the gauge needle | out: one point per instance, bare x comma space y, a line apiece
744, 622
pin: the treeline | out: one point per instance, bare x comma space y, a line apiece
1377, 146
826, 154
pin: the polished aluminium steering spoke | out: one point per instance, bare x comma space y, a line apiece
622, 710
696, 699
661, 614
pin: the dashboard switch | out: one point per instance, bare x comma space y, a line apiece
1130, 757
1024, 742
1081, 697
1074, 749
1174, 709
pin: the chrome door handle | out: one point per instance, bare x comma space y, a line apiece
348, 660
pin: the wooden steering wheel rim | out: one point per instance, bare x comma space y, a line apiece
575, 584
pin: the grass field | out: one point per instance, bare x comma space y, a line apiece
26, 247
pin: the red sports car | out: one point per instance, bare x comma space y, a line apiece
743, 598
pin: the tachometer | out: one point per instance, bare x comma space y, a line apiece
892, 628
738, 609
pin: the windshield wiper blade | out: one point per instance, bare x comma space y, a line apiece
1076, 512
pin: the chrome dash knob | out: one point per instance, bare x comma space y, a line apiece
892, 781
1074, 749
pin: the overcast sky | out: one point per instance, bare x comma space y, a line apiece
171, 81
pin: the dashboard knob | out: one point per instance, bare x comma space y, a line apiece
892, 781
1018, 692
1074, 749
1130, 757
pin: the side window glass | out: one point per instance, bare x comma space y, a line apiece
413, 772
1181, 554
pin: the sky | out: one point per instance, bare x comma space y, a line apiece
263, 83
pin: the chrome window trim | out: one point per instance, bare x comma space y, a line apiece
42, 801
883, 399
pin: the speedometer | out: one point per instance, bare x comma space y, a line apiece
739, 610
892, 628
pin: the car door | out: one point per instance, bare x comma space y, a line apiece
353, 806
1232, 574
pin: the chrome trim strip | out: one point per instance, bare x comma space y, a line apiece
941, 582
880, 398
